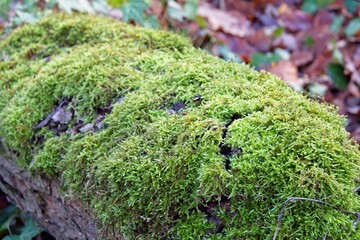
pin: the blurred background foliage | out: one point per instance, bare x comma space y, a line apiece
313, 45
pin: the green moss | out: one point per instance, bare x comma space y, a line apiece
219, 167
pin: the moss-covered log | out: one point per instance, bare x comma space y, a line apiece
153, 139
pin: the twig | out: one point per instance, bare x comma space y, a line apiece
294, 199
357, 190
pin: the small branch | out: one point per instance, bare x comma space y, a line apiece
294, 199
357, 220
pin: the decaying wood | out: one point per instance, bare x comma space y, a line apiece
40, 197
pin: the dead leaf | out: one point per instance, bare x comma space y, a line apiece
225, 21
352, 62
247, 8
268, 18
353, 89
115, 13
286, 41
288, 71
260, 40
322, 20
237, 45
353, 105
318, 66
301, 58
356, 134
284, 9
296, 20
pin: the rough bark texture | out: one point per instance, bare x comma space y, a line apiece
40, 197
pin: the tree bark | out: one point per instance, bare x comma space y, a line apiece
40, 197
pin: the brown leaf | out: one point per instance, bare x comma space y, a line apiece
286, 41
318, 66
247, 8
300, 58
287, 70
356, 134
322, 20
356, 56
237, 45
115, 13
354, 110
353, 89
260, 40
225, 21
268, 18
295, 20
352, 62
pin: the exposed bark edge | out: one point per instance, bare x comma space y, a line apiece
40, 197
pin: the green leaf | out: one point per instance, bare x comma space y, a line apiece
279, 31
4, 8
51, 4
77, 5
351, 5
337, 55
116, 3
337, 23
228, 55
282, 53
353, 27
176, 11
12, 237
100, 6
201, 21
24, 17
260, 60
6, 216
317, 90
311, 6
30, 5
323, 3
30, 230
134, 10
190, 8
336, 73
83, 6
309, 41
152, 22
27, 232
65, 5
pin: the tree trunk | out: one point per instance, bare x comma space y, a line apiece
40, 197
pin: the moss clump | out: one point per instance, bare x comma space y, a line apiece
189, 146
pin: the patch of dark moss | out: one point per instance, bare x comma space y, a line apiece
235, 134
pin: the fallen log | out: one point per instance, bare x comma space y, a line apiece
118, 132
40, 196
